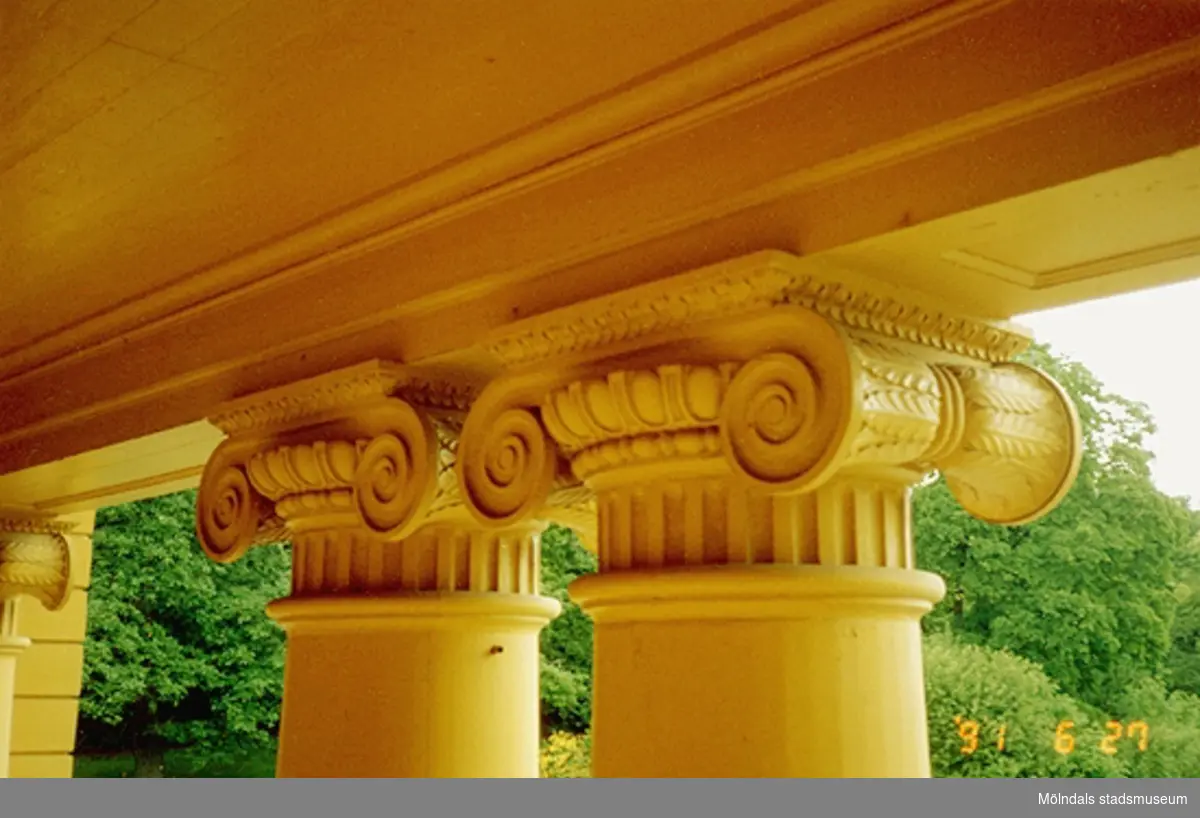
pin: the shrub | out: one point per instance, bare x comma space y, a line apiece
567, 755
1173, 723
997, 690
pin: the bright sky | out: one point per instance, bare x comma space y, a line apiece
1140, 346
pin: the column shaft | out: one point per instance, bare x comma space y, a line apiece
426, 666
741, 635
11, 647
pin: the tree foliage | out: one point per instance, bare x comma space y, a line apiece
179, 650
1183, 664
1184, 660
1174, 721
566, 641
995, 690
1088, 592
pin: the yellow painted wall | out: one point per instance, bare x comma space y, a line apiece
49, 673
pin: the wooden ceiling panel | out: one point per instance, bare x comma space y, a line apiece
1129, 228
72, 96
169, 26
43, 38
1120, 218
198, 130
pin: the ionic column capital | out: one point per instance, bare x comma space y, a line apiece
769, 373
35, 558
368, 452
1005, 435
345, 449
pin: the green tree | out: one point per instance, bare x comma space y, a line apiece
567, 641
179, 650
1088, 591
1184, 661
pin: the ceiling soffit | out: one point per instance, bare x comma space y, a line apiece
782, 141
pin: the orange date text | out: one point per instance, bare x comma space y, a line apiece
1133, 734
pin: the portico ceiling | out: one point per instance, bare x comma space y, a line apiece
202, 198
144, 143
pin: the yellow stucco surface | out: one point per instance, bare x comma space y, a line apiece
49, 672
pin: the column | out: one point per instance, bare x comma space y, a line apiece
35, 562
412, 631
11, 647
50, 673
438, 680
752, 433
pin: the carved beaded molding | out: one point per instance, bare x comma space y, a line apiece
744, 285
35, 558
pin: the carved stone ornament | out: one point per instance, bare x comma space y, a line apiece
337, 450
370, 449
777, 378
35, 558
760, 372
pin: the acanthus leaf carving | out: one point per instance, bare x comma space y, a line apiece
35, 559
816, 400
1019, 443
